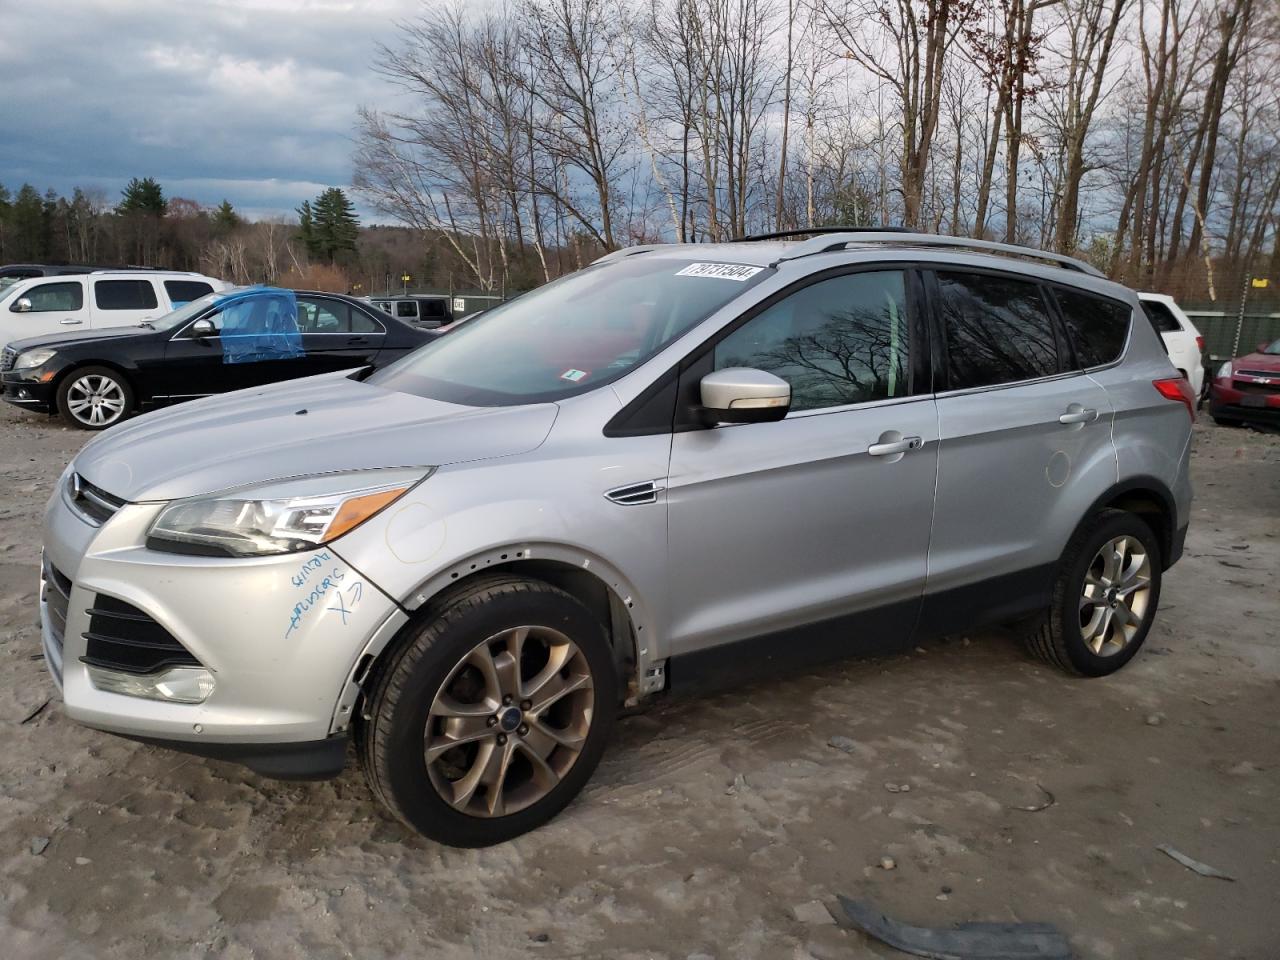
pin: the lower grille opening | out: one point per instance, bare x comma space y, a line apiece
122, 637
57, 595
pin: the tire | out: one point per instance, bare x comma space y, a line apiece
436, 674
1227, 422
1080, 606
81, 387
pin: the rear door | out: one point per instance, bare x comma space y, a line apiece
124, 302
1024, 440
336, 335
820, 520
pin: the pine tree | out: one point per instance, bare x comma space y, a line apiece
328, 225
143, 196
225, 219
27, 219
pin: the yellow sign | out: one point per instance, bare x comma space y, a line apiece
1261, 283
406, 278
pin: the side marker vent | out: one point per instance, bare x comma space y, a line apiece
635, 494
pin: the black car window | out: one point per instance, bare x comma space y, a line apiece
124, 294
432, 309
1097, 326
323, 316
51, 297
406, 308
1161, 317
184, 291
998, 330
838, 341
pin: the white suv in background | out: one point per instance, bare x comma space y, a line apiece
123, 298
1180, 336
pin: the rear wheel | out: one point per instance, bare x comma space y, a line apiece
493, 714
94, 398
1104, 599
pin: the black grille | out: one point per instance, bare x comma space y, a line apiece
92, 502
57, 594
1245, 386
8, 357
122, 637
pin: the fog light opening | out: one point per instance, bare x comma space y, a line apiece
176, 685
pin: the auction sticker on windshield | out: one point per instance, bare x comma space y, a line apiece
719, 271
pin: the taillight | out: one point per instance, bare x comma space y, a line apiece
1179, 389
1200, 344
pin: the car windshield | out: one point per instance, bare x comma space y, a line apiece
570, 336
187, 311
1274, 348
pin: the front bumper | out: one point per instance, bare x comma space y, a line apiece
28, 391
1228, 403
281, 636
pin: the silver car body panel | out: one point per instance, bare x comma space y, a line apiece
722, 534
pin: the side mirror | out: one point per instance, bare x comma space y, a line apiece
23, 305
203, 328
744, 395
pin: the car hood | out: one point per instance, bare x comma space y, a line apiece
77, 337
299, 428
1258, 361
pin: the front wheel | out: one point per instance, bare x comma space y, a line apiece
1104, 599
94, 398
493, 714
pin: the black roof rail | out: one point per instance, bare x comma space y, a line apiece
817, 231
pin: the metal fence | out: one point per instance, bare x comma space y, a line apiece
1227, 334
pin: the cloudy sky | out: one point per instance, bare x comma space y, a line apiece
251, 100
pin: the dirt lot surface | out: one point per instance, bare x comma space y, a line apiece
713, 826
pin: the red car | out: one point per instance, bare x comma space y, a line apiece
1248, 388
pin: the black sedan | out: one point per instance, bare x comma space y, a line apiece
225, 341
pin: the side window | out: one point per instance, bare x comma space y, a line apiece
1161, 316
363, 323
998, 330
1097, 327
51, 297
323, 316
184, 291
837, 341
124, 295
407, 308
432, 309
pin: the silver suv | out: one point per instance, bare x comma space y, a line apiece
681, 466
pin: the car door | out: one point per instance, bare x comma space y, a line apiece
337, 335
50, 306
124, 302
820, 520
1024, 439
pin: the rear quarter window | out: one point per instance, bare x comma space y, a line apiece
184, 291
1096, 326
1161, 317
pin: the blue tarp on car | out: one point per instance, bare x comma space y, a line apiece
258, 324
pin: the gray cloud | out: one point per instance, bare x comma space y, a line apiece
253, 100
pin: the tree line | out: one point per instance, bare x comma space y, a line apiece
1143, 135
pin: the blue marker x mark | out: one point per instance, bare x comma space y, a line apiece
357, 589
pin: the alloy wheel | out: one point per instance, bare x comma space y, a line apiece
509, 721
1116, 595
96, 400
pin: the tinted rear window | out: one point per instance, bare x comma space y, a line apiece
406, 308
1161, 316
998, 330
1097, 326
184, 291
124, 295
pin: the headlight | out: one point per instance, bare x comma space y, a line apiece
283, 516
33, 358
1224, 371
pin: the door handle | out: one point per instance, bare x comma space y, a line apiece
895, 446
357, 341
1078, 414
69, 322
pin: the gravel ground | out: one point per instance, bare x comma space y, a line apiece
714, 827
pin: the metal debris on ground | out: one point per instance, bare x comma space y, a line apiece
1050, 800
1201, 868
965, 941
